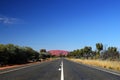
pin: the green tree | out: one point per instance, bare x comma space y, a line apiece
42, 50
29, 53
3, 55
113, 53
99, 47
44, 54
87, 51
11, 52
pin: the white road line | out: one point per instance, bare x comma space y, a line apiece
62, 71
104, 70
16, 69
12, 70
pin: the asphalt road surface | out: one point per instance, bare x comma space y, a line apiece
52, 71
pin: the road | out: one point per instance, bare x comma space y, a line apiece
49, 71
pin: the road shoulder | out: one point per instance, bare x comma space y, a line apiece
98, 68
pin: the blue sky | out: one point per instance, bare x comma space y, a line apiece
60, 24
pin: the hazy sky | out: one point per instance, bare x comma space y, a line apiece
60, 24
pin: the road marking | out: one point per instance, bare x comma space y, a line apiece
12, 70
22, 67
105, 71
62, 72
115, 73
18, 68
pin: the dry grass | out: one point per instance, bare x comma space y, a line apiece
114, 65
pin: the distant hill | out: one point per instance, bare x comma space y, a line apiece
58, 52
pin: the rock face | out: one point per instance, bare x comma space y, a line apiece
58, 52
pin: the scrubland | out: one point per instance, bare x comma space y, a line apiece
114, 65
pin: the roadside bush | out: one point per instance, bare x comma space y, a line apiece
13, 54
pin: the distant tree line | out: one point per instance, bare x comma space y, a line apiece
13, 54
44, 54
87, 53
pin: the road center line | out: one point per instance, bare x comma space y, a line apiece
62, 72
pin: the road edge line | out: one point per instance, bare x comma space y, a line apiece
22, 67
97, 68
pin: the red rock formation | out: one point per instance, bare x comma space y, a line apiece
58, 52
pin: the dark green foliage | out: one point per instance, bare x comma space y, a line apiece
44, 54
99, 47
42, 50
111, 54
85, 53
12, 54
3, 55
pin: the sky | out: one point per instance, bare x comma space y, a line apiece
60, 24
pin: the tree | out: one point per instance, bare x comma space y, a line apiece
87, 51
112, 49
99, 47
44, 54
21, 56
42, 50
3, 55
113, 53
11, 52
30, 53
76, 53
